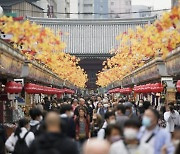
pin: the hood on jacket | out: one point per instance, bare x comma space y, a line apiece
34, 122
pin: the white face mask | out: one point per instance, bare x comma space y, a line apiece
105, 105
130, 133
115, 138
112, 121
140, 105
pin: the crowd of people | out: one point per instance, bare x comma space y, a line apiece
96, 125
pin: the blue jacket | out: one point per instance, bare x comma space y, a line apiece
162, 137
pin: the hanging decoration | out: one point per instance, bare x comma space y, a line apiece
141, 45
45, 47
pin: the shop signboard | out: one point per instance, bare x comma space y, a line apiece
146, 74
127, 81
10, 65
173, 64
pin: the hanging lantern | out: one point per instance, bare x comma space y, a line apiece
135, 89
129, 90
39, 89
60, 91
13, 87
157, 88
48, 90
116, 90
30, 88
69, 91
148, 88
178, 85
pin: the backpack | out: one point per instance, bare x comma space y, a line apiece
21, 146
34, 129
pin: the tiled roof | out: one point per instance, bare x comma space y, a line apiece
8, 3
92, 36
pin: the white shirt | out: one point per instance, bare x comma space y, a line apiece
119, 148
171, 119
101, 132
95, 103
146, 136
11, 141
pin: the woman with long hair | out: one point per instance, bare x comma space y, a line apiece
82, 126
100, 110
20, 132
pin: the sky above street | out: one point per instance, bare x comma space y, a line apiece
157, 4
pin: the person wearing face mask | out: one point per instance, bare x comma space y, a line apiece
109, 119
113, 133
67, 121
96, 146
35, 122
171, 116
20, 132
153, 135
130, 144
105, 105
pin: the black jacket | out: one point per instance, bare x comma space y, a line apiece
53, 143
2, 139
68, 127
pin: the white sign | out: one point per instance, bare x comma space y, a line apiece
20, 81
166, 79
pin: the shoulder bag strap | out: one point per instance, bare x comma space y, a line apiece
25, 135
150, 137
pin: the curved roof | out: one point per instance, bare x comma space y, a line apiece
91, 36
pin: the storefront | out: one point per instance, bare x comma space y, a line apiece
157, 72
14, 68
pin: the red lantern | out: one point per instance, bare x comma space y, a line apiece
129, 90
178, 85
140, 88
30, 88
135, 89
148, 88
60, 91
157, 88
13, 87
39, 89
49, 91
69, 91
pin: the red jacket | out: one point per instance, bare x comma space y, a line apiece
87, 127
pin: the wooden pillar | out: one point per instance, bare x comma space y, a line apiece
170, 95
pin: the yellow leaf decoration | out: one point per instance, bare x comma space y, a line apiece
136, 46
42, 45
